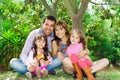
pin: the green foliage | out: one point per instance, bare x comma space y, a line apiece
63, 15
11, 42
14, 28
103, 35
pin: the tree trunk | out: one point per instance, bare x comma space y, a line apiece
51, 9
80, 14
77, 23
52, 12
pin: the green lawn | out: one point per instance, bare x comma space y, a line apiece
110, 73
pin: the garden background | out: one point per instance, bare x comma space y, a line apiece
98, 19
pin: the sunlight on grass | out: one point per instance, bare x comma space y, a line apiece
110, 73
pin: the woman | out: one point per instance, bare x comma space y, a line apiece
59, 45
60, 42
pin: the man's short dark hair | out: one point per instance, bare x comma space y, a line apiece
49, 17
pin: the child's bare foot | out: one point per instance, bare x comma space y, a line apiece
38, 72
44, 72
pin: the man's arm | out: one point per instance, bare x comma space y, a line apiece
28, 45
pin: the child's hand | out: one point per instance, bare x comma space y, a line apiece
47, 62
31, 67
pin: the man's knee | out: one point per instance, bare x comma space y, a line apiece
12, 61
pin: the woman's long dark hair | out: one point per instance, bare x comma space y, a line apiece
39, 37
64, 25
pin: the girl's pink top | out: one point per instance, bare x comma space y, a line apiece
74, 49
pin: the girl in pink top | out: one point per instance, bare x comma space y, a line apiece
39, 57
74, 50
77, 44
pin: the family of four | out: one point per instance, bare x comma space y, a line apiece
52, 46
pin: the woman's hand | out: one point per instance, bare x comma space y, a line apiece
60, 56
54, 48
83, 53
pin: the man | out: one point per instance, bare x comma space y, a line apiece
47, 28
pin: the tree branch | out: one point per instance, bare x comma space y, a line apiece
73, 5
46, 5
55, 3
104, 3
82, 9
69, 7
51, 9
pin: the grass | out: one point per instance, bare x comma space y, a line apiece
110, 73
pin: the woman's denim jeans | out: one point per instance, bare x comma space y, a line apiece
17, 65
55, 64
